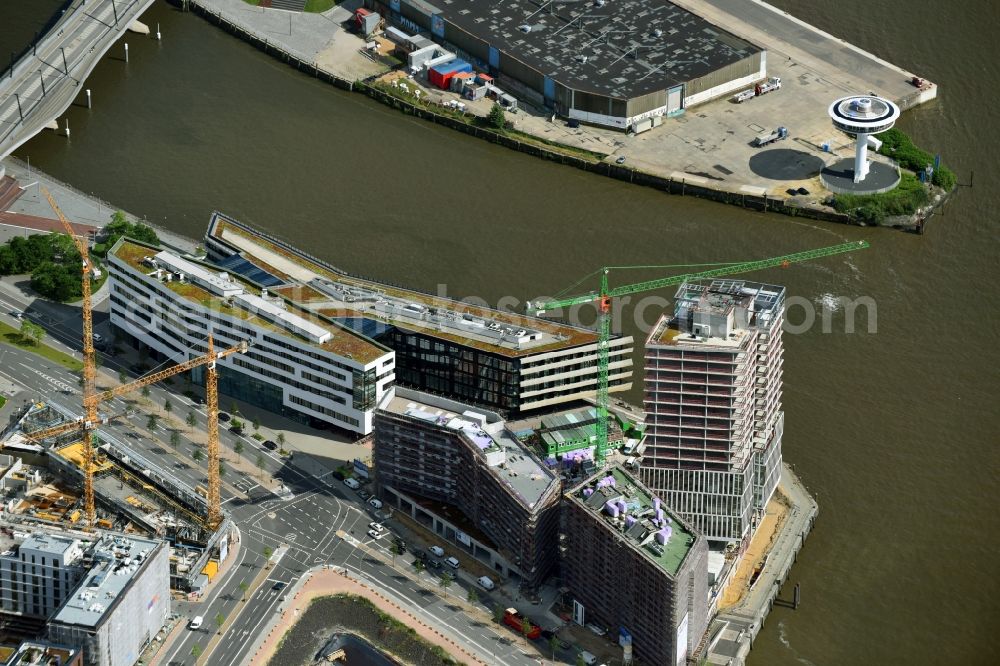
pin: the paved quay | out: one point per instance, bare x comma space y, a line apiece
318, 39
732, 632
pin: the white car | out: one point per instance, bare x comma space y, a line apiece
436, 551
352, 484
196, 622
452, 562
375, 502
378, 527
375, 535
486, 582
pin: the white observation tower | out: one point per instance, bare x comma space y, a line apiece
863, 116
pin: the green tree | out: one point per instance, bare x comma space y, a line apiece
526, 628
256, 424
145, 391
553, 646
445, 581
32, 332
238, 447
220, 620
234, 408
260, 465
472, 596
397, 549
151, 422
197, 455
122, 376
281, 439
191, 419
268, 552
222, 470
580, 661
244, 586
168, 406
498, 613
196, 652
120, 226
496, 119
175, 439
419, 565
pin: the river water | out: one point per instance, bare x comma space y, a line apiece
891, 429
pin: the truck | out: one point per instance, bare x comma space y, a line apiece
769, 137
515, 621
743, 96
773, 83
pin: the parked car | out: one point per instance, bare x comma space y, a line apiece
402, 544
270, 445
196, 622
224, 417
436, 551
620, 160
588, 658
378, 527
375, 502
597, 629
198, 400
452, 562
486, 583
352, 484
375, 535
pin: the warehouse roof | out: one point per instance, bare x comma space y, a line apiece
619, 48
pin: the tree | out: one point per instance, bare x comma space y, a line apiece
256, 424
151, 422
526, 628
244, 586
175, 439
234, 408
122, 376
498, 613
168, 406
397, 549
220, 620
120, 226
145, 391
196, 652
191, 419
31, 332
281, 439
445, 581
580, 660
553, 646
222, 470
238, 447
197, 455
472, 596
496, 119
268, 552
419, 565
260, 464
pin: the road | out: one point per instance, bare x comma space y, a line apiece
302, 526
46, 80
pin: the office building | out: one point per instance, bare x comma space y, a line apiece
107, 594
300, 363
713, 405
496, 360
466, 478
623, 64
633, 566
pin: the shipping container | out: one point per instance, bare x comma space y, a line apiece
440, 74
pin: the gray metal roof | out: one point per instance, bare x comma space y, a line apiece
619, 48
117, 560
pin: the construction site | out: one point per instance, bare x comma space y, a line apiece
62, 469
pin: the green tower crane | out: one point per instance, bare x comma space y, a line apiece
604, 295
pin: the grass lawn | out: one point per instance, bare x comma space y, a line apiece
12, 336
319, 5
3, 401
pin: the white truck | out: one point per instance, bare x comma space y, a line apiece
773, 83
769, 137
743, 96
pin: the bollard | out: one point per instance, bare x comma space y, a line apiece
67, 128
89, 105
158, 36
126, 52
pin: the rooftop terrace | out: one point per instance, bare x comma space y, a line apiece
204, 285
620, 48
507, 458
324, 290
629, 509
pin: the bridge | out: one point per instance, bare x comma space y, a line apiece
41, 85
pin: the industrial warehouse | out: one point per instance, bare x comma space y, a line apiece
623, 64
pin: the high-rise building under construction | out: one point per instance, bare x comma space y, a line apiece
713, 405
